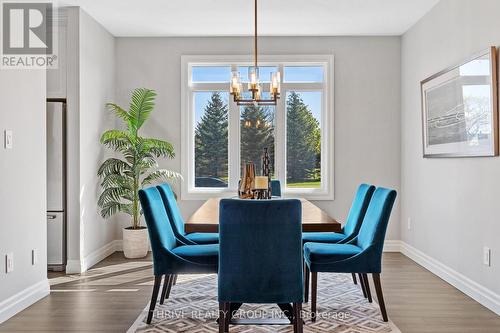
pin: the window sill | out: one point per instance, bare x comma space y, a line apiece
205, 194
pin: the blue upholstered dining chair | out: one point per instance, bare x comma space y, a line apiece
363, 254
260, 258
275, 188
177, 221
349, 230
170, 257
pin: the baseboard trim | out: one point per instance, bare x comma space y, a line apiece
80, 266
100, 254
74, 267
23, 299
479, 293
392, 246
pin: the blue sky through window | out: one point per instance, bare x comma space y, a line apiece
303, 74
211, 73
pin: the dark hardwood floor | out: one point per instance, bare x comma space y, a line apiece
111, 295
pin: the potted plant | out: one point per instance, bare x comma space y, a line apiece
122, 178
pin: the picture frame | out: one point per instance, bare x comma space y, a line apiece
460, 109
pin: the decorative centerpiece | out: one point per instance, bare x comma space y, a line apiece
247, 184
266, 172
261, 187
256, 187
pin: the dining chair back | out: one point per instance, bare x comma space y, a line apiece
275, 188
177, 222
172, 209
374, 226
260, 258
161, 235
358, 210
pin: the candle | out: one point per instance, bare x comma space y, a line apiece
261, 182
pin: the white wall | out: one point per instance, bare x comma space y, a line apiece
367, 101
452, 202
97, 87
23, 224
91, 84
73, 141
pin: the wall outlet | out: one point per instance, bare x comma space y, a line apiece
9, 262
8, 139
487, 256
34, 257
408, 224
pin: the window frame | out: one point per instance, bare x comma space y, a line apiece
188, 89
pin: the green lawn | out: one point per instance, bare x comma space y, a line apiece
306, 184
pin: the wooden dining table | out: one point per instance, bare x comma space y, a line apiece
314, 219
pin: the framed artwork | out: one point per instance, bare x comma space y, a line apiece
460, 109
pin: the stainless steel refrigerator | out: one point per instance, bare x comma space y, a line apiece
56, 184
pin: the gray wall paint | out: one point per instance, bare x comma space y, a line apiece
367, 101
23, 194
97, 87
452, 202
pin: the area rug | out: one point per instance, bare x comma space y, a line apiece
193, 307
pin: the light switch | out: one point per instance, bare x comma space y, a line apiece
34, 257
8, 139
9, 262
486, 256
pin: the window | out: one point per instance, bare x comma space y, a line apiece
211, 139
220, 137
303, 139
256, 133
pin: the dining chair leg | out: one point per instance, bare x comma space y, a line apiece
298, 323
380, 295
294, 322
227, 320
367, 287
314, 292
306, 283
222, 317
362, 284
170, 284
175, 280
354, 278
154, 297
166, 283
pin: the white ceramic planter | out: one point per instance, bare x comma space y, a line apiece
135, 243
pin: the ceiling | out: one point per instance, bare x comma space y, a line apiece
235, 17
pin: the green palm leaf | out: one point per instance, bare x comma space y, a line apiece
116, 180
161, 174
159, 148
141, 106
112, 194
113, 166
119, 112
111, 208
116, 139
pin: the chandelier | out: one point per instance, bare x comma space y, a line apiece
254, 85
